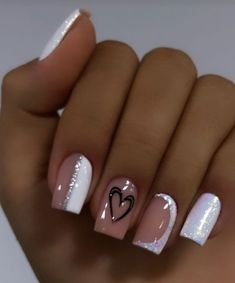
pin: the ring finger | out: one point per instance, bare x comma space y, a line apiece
207, 120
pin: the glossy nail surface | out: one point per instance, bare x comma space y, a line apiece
156, 224
116, 208
73, 183
60, 34
202, 218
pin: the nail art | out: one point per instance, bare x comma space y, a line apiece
59, 35
116, 208
129, 198
156, 224
202, 218
73, 183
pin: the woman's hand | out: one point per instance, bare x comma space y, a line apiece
139, 141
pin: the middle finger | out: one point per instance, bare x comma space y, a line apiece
157, 98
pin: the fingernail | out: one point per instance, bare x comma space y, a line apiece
73, 183
202, 218
116, 208
60, 33
156, 224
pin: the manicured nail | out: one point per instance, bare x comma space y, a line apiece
59, 35
202, 218
73, 183
156, 224
116, 208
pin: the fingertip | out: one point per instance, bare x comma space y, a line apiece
78, 23
44, 85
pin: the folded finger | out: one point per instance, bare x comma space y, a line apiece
31, 96
88, 122
215, 198
157, 98
206, 121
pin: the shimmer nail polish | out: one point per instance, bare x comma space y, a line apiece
156, 224
59, 35
202, 218
73, 183
116, 208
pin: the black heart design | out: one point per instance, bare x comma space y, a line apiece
129, 198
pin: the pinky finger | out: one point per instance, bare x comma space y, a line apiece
217, 193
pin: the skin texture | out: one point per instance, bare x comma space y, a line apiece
62, 247
163, 74
95, 105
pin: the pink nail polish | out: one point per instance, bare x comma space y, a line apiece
156, 224
72, 185
116, 208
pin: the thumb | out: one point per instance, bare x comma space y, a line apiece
43, 85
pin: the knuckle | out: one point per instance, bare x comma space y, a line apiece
175, 57
8, 81
216, 81
119, 48
12, 86
18, 82
136, 141
218, 89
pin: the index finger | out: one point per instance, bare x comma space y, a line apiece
31, 96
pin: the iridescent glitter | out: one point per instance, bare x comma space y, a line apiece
202, 218
73, 182
60, 34
158, 244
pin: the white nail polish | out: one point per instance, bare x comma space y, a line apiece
202, 218
73, 183
79, 186
59, 34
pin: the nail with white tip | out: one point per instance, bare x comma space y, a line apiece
59, 35
156, 224
202, 218
73, 183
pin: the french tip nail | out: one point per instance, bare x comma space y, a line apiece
157, 223
151, 249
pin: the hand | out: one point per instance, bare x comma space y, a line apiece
154, 124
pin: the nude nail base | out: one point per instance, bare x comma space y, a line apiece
156, 224
73, 182
116, 208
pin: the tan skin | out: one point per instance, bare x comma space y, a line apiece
62, 247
